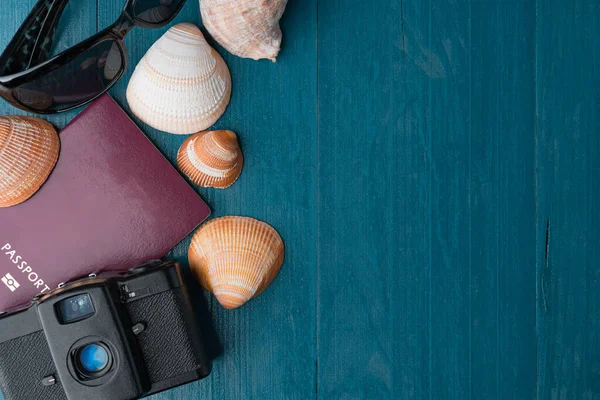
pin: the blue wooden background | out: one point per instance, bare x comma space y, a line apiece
434, 168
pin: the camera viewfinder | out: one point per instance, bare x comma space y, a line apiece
76, 308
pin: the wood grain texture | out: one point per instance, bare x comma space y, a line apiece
433, 167
448, 139
359, 104
427, 200
502, 201
568, 185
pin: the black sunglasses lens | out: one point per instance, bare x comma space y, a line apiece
156, 11
76, 82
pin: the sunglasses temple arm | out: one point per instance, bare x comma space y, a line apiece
32, 43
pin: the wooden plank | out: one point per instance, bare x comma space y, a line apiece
407, 203
448, 141
269, 344
502, 201
373, 249
568, 186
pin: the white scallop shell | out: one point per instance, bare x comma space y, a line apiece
246, 28
181, 85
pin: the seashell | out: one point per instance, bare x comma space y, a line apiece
28, 152
182, 85
246, 28
211, 158
236, 258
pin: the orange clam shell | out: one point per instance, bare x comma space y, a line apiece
236, 258
29, 150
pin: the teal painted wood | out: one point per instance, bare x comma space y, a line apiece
568, 186
373, 339
433, 169
502, 201
447, 149
426, 200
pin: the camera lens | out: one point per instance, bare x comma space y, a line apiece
93, 358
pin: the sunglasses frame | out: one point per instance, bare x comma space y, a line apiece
116, 32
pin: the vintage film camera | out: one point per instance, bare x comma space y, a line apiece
116, 335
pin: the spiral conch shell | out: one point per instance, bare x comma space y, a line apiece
246, 28
29, 150
211, 158
236, 258
182, 85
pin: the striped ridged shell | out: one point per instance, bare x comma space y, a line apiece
211, 158
29, 149
246, 28
236, 258
181, 85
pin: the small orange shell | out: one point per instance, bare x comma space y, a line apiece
211, 158
29, 149
236, 258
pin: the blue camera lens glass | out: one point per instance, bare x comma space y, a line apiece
93, 358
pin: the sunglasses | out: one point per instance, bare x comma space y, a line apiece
32, 80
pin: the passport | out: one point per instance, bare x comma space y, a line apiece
112, 201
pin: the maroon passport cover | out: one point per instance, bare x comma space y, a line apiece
111, 202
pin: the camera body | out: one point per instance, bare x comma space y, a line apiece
117, 335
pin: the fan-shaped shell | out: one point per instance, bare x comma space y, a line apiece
182, 85
236, 258
211, 158
28, 152
246, 28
